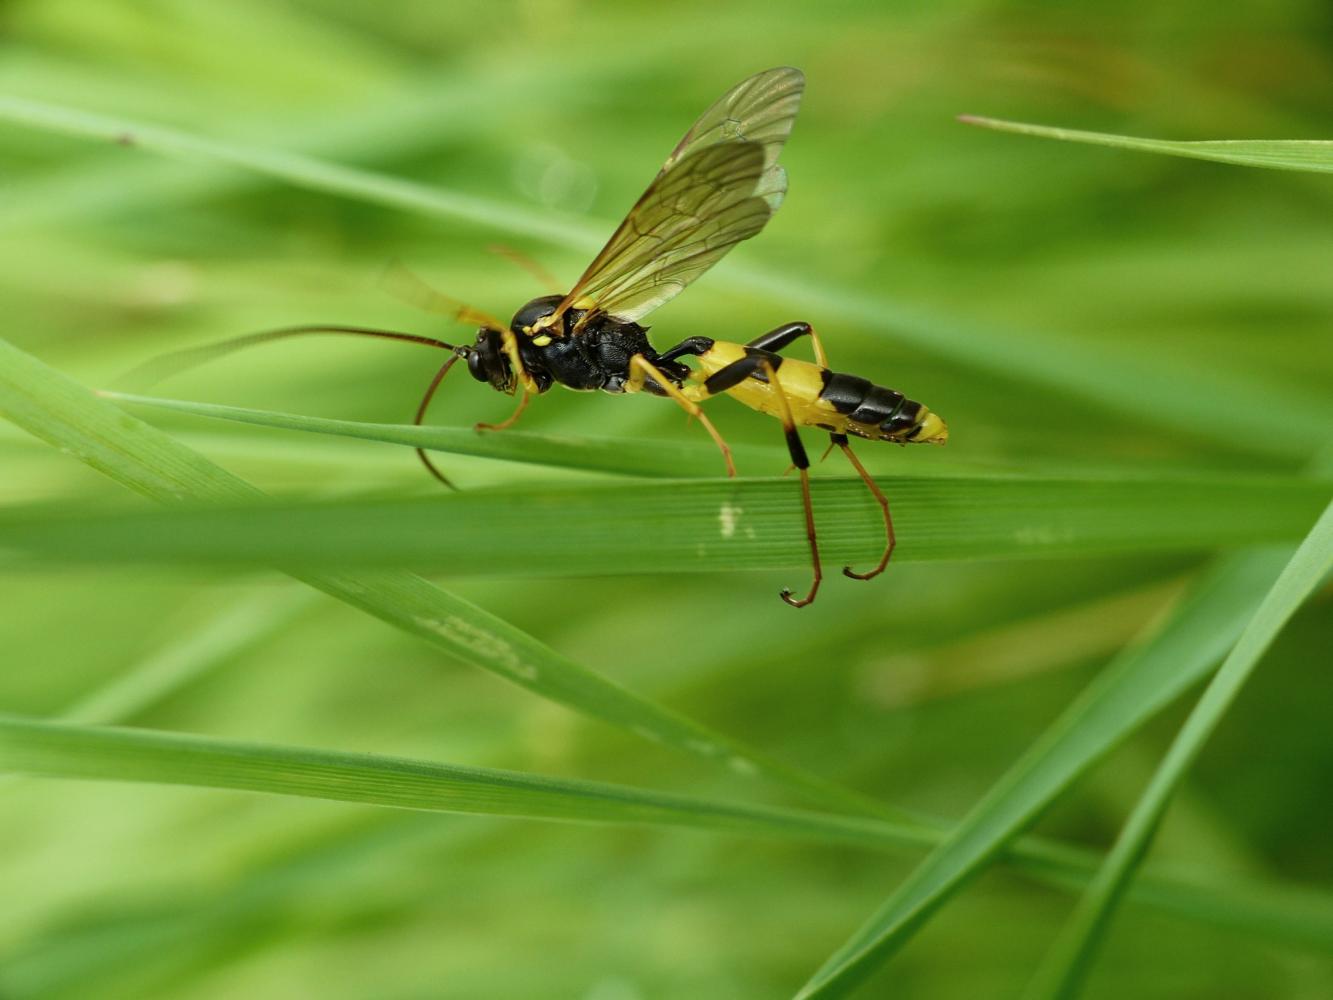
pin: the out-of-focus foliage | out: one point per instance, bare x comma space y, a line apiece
1072, 311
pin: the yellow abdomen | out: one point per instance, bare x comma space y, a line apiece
831, 401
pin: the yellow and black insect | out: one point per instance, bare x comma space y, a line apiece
719, 186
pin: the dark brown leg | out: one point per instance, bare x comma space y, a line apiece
802, 463
841, 441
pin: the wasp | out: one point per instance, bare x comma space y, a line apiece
720, 186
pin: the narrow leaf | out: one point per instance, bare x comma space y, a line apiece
687, 526
630, 456
295, 168
1067, 965
1315, 155
62, 750
1137, 685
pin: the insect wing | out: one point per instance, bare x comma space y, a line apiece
760, 109
689, 218
718, 187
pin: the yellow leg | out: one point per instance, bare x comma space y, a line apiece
510, 420
640, 367
821, 358
802, 464
525, 381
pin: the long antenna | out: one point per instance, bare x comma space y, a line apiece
164, 366
421, 415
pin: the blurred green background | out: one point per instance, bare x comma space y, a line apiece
1067, 309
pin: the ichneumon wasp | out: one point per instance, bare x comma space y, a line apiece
719, 186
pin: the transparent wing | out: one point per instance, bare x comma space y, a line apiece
760, 109
719, 186
682, 225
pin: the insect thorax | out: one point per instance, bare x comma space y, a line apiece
597, 356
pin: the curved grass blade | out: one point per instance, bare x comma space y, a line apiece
62, 750
71, 417
628, 456
1068, 963
687, 526
1201, 403
1314, 155
1137, 685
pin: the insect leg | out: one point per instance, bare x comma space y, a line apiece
510, 344
510, 420
783, 336
802, 463
690, 345
841, 441
640, 367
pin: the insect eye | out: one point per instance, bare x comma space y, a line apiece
476, 366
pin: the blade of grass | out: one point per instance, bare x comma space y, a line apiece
630, 456
685, 526
655, 459
62, 750
1315, 155
1067, 965
237, 627
69, 416
1197, 401
303, 171
1138, 684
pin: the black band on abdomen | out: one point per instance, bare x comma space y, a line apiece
845, 392
879, 405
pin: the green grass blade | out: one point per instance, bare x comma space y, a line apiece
688, 526
304, 171
1069, 962
1315, 155
72, 418
61, 750
236, 627
1126, 694
628, 456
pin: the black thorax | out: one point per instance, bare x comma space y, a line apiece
596, 357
